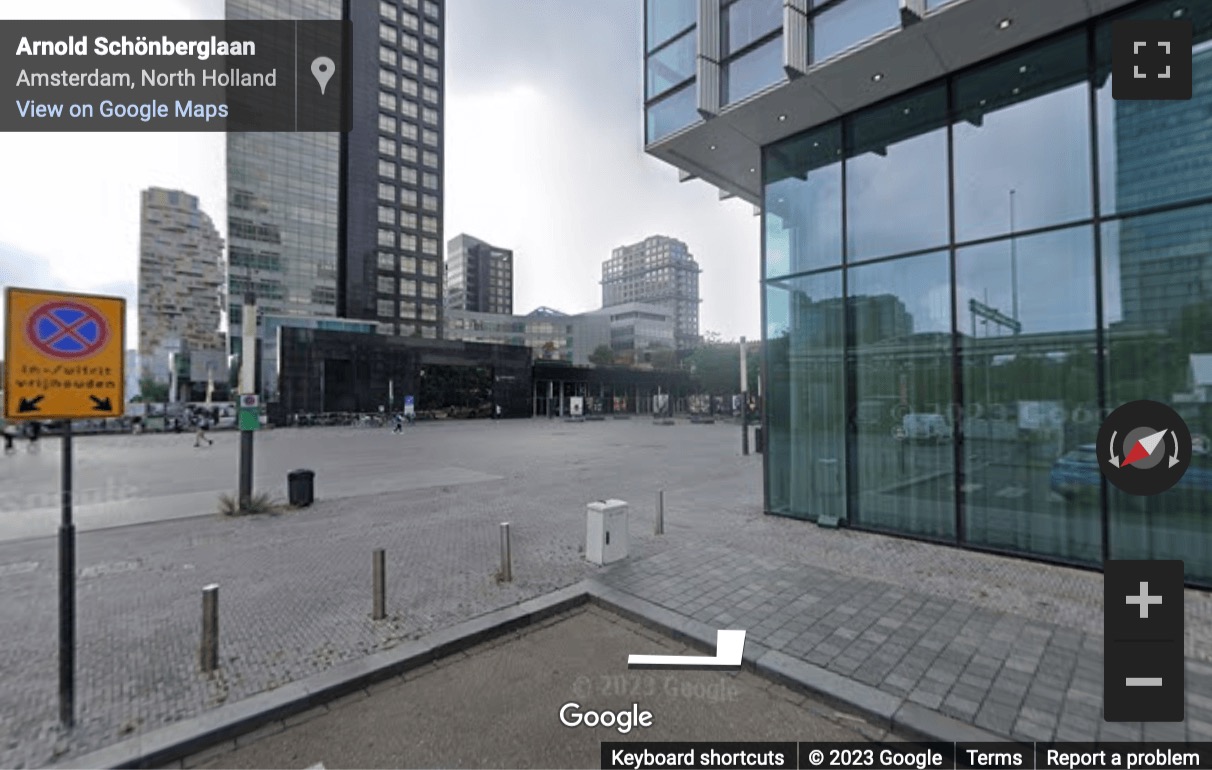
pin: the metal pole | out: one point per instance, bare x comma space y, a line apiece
248, 382
380, 584
209, 655
67, 589
744, 402
660, 517
506, 556
1013, 261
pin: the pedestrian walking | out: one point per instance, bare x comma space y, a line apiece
9, 433
200, 436
33, 430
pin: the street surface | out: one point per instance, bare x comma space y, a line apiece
498, 705
1010, 645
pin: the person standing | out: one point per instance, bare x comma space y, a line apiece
399, 424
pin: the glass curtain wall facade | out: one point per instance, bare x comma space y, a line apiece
961, 281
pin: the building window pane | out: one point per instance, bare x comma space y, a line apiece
803, 217
409, 43
429, 224
430, 181
754, 71
900, 313
806, 450
387, 308
430, 116
387, 101
431, 9
666, 18
430, 94
409, 21
429, 268
408, 64
430, 159
431, 52
387, 192
408, 175
387, 260
431, 73
429, 313
387, 285
387, 168
408, 198
896, 177
430, 246
408, 265
387, 10
1156, 152
387, 215
387, 78
387, 32
409, 87
672, 64
408, 288
387, 54
387, 123
672, 113
408, 242
430, 137
849, 23
747, 21
431, 30
408, 153
387, 238
387, 146
1022, 143
429, 290
1028, 348
429, 203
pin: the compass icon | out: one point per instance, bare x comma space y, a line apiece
1144, 447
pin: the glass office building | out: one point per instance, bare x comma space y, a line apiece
968, 260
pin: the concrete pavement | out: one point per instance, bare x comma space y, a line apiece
1009, 645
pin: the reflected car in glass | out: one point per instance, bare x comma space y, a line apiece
1075, 474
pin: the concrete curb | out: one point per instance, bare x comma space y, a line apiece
230, 722
226, 723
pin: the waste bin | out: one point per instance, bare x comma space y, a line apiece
757, 439
300, 486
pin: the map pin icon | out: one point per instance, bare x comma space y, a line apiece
323, 68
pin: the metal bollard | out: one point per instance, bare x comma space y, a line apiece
660, 513
210, 628
380, 584
506, 556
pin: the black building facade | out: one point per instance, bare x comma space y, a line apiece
327, 371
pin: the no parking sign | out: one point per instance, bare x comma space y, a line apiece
64, 355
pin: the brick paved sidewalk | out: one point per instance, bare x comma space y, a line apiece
1007, 644
1013, 675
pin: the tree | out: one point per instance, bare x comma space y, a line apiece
602, 355
153, 391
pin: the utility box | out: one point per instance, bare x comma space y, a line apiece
606, 536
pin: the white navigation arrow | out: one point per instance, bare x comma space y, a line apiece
729, 648
1174, 457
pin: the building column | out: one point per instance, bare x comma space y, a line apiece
795, 37
707, 79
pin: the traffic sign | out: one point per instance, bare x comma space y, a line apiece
64, 355
249, 401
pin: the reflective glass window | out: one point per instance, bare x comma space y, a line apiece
754, 71
408, 265
430, 203
387, 54
387, 78
387, 215
408, 152
1022, 142
387, 32
803, 216
387, 260
430, 116
409, 87
672, 113
408, 131
387, 146
747, 21
900, 311
431, 73
387, 10
408, 175
1153, 152
1029, 352
1157, 306
387, 284
408, 220
387, 101
387, 238
387, 168
409, 109
429, 268
431, 9
409, 21
430, 94
432, 52
387, 123
430, 159
408, 64
429, 224
409, 43
429, 290
666, 18
430, 181
408, 288
671, 65
846, 24
806, 449
408, 197
896, 176
408, 242
432, 30
430, 246
387, 308
387, 192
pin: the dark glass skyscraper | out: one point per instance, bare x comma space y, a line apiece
347, 225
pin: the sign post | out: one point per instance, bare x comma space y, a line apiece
64, 360
248, 387
744, 402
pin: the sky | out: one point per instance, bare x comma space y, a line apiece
544, 156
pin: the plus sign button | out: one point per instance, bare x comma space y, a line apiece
1151, 59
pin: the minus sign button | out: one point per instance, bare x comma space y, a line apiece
1144, 681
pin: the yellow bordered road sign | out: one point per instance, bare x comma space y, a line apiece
64, 355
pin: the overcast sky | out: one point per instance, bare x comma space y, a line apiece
543, 156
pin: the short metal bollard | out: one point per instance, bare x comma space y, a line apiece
380, 584
660, 513
209, 658
506, 556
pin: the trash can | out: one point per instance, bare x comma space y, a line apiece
757, 440
300, 487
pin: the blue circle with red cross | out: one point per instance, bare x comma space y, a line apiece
67, 330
